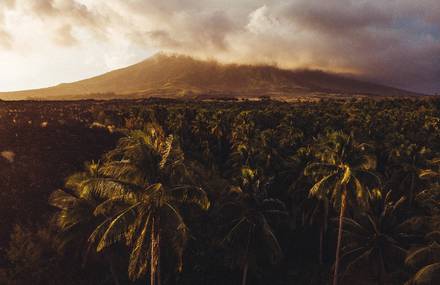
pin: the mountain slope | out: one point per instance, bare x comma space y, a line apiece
178, 76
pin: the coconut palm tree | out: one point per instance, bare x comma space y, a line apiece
247, 217
146, 216
143, 185
76, 218
424, 261
377, 237
342, 171
408, 168
316, 212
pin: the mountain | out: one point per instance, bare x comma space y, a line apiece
177, 76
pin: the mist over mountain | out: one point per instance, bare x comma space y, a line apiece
179, 76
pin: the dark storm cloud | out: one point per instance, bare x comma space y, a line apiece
336, 16
394, 42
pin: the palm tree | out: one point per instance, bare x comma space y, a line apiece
431, 173
427, 275
316, 212
146, 216
76, 218
377, 237
248, 216
426, 262
143, 185
342, 166
408, 167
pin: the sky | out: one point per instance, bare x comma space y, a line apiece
47, 42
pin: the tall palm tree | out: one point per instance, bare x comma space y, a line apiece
247, 217
377, 237
140, 187
341, 172
316, 212
145, 217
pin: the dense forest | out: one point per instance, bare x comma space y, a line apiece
222, 192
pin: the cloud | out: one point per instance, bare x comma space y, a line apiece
43, 8
64, 36
5, 37
66, 14
336, 16
5, 40
394, 42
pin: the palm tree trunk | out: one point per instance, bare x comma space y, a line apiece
380, 271
158, 252
411, 191
245, 272
113, 272
321, 244
246, 262
379, 278
152, 255
338, 247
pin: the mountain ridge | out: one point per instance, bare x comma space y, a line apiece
180, 76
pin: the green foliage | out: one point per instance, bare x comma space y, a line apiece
193, 192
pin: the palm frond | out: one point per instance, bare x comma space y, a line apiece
428, 275
166, 150
275, 250
138, 261
62, 200
116, 228
107, 187
318, 189
190, 194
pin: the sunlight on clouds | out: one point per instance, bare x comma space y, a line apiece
45, 42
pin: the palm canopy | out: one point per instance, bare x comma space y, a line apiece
378, 236
432, 172
144, 157
150, 173
139, 188
423, 256
425, 262
342, 165
138, 216
76, 217
248, 216
428, 275
410, 166
343, 170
